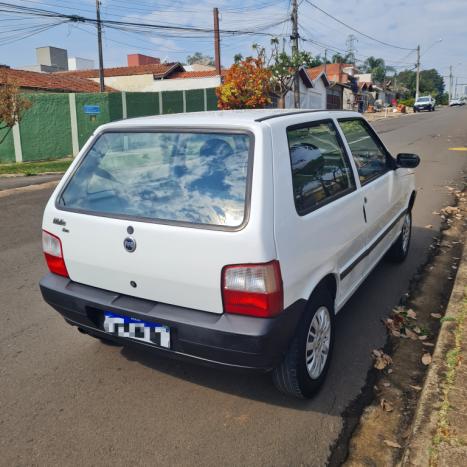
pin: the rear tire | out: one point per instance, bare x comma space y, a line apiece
304, 368
400, 249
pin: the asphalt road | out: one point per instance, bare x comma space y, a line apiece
66, 399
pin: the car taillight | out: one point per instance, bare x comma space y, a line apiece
253, 289
53, 252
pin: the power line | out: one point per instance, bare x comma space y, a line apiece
356, 30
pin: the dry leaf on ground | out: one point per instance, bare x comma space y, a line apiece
392, 444
428, 344
411, 314
381, 359
417, 388
409, 333
422, 337
426, 358
435, 315
429, 226
386, 405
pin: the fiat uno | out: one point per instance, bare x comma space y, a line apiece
230, 238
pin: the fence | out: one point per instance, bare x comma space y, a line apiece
58, 125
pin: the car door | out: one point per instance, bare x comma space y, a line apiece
383, 199
319, 224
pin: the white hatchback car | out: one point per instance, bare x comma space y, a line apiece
231, 238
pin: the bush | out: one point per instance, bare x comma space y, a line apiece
409, 102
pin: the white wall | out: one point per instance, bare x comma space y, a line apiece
310, 98
147, 83
76, 63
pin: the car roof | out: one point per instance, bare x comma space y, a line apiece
221, 118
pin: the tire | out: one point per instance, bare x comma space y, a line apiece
102, 339
292, 376
400, 249
414, 110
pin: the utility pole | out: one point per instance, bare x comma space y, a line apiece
294, 38
217, 41
455, 90
99, 44
450, 83
325, 61
417, 87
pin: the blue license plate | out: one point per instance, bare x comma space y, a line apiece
136, 329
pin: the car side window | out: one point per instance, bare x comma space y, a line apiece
368, 153
321, 170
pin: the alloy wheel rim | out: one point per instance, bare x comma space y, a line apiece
406, 232
318, 342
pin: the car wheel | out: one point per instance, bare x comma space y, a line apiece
306, 363
414, 110
399, 250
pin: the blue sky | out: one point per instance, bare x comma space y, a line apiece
405, 23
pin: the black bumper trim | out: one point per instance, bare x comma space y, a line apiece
228, 340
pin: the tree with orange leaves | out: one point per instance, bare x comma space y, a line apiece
247, 85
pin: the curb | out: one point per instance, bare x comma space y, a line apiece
28, 188
419, 447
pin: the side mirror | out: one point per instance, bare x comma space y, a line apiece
407, 161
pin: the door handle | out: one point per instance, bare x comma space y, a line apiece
365, 200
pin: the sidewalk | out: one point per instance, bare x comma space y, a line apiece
439, 435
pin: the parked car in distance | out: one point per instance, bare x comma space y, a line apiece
230, 238
456, 101
424, 103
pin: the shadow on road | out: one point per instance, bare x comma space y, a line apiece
358, 331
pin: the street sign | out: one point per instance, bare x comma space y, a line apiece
92, 109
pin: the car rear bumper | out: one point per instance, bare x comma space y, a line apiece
226, 340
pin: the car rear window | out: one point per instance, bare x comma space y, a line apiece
423, 99
174, 176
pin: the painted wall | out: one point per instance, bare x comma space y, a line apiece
147, 83
47, 129
7, 148
310, 98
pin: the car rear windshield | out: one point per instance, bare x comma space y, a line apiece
423, 99
175, 176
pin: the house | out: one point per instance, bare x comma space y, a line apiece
313, 85
348, 89
32, 81
152, 77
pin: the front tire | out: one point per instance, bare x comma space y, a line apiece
400, 249
304, 368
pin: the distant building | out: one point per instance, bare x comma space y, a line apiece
152, 78
140, 59
31, 81
77, 63
49, 59
199, 67
313, 88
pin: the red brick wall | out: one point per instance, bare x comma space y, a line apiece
138, 59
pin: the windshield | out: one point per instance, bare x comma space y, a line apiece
423, 99
189, 177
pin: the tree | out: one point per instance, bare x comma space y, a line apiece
247, 85
377, 67
431, 82
199, 58
284, 67
12, 104
339, 58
